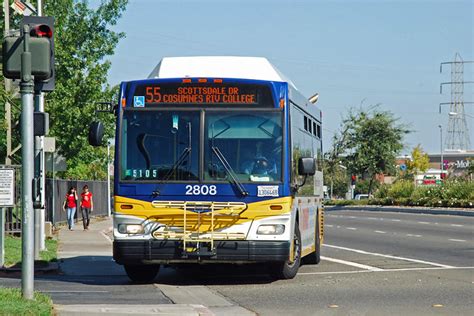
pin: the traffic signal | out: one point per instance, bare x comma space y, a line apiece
353, 179
41, 46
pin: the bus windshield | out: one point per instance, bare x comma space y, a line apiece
250, 141
162, 145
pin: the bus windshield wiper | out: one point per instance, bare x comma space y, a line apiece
229, 170
182, 157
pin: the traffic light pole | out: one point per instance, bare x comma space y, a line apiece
27, 155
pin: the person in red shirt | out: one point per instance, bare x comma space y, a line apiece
87, 206
70, 205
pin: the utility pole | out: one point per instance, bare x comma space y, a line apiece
8, 112
458, 132
441, 148
27, 137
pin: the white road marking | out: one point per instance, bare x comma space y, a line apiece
384, 270
327, 225
460, 240
390, 256
372, 218
426, 223
351, 228
380, 232
352, 264
396, 220
412, 235
457, 225
351, 217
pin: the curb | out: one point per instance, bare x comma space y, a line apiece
121, 309
412, 210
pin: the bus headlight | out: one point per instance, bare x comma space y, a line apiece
132, 229
275, 229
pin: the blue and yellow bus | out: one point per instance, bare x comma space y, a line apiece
218, 160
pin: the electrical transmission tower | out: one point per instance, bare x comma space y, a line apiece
458, 132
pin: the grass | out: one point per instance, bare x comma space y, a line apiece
13, 251
12, 303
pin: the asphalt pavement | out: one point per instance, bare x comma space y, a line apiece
374, 263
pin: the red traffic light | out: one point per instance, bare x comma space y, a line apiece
42, 30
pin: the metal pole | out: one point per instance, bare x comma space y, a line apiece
108, 179
441, 148
53, 206
39, 106
2, 236
8, 113
27, 140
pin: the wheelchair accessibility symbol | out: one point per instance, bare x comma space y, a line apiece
139, 101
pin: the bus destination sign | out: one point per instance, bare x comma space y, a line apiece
197, 94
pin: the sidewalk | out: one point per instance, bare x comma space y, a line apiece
78, 249
85, 254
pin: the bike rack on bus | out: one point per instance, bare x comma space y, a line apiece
202, 211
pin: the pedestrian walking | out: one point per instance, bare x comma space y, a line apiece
70, 205
87, 206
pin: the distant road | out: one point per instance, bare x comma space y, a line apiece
439, 238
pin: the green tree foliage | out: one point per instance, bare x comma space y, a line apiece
335, 176
83, 41
369, 142
419, 162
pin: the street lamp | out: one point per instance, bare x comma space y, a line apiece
441, 147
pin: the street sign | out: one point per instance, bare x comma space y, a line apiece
59, 163
24, 8
7, 187
49, 144
403, 167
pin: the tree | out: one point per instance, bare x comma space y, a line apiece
419, 162
369, 142
83, 40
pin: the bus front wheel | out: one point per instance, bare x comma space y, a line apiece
289, 269
142, 273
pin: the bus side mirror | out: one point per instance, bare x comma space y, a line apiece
96, 133
306, 166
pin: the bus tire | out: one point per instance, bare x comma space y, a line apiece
288, 270
315, 257
142, 273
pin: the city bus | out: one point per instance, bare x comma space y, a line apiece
217, 160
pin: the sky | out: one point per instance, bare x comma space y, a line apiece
353, 53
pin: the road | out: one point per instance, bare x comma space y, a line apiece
374, 263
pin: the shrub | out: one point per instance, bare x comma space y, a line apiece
401, 189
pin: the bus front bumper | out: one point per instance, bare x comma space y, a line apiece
170, 251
